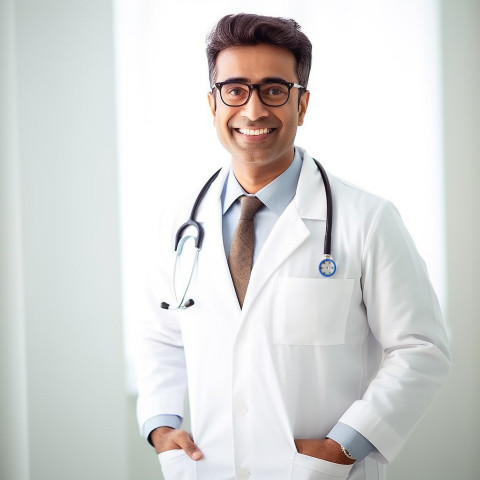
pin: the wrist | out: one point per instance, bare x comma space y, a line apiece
342, 455
347, 453
353, 441
156, 435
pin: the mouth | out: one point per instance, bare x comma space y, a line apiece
254, 132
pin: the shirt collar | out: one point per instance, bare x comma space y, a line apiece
275, 196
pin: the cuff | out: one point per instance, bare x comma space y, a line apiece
172, 421
355, 443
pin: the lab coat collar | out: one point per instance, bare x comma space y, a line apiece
310, 198
208, 207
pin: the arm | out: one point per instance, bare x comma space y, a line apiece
354, 445
405, 318
161, 370
326, 449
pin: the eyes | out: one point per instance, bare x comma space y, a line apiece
266, 90
236, 94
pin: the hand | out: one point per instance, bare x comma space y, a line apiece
326, 449
166, 438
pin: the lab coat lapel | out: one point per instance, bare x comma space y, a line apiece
290, 230
212, 255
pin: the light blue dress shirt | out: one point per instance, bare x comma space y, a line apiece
275, 196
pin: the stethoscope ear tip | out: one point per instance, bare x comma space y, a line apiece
188, 303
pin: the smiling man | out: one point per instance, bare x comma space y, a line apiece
249, 81
308, 335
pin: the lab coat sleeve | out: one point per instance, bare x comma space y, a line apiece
159, 355
405, 318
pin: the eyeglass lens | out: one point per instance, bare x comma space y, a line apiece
236, 94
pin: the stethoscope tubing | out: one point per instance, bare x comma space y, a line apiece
192, 222
180, 303
327, 246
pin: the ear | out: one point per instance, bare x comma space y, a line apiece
213, 104
302, 108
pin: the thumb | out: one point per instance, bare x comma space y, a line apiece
189, 447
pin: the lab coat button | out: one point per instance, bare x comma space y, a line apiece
243, 474
241, 409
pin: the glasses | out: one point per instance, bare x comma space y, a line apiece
272, 94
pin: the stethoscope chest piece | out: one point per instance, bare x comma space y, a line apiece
327, 266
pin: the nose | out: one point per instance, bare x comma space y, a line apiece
254, 108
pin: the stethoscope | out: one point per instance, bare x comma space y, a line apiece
326, 267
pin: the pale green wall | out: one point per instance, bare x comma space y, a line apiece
447, 442
13, 381
62, 386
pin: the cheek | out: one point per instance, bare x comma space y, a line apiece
223, 119
221, 123
292, 122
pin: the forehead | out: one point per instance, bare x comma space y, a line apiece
255, 63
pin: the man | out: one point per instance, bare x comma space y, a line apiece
291, 374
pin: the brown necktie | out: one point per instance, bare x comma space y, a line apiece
241, 251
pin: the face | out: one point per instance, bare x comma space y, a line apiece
272, 149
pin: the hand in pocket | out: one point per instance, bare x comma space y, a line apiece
326, 449
166, 438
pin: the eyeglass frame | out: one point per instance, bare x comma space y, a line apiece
256, 86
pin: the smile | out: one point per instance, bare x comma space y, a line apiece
261, 131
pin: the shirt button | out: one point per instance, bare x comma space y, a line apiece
241, 409
243, 474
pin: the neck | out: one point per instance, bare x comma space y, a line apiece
254, 177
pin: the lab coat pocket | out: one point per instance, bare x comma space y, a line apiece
311, 311
177, 465
311, 468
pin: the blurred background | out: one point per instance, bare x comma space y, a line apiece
103, 111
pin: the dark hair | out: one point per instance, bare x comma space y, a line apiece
248, 29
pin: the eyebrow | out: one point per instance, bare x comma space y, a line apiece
246, 80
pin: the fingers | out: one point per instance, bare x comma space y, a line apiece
165, 438
185, 442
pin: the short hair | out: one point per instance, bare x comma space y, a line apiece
245, 29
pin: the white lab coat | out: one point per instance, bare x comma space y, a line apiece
366, 347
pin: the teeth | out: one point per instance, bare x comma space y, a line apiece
262, 131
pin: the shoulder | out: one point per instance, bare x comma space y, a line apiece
356, 202
344, 189
377, 218
345, 193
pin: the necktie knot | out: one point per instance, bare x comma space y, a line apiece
250, 206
